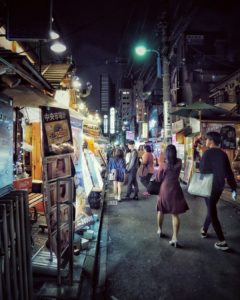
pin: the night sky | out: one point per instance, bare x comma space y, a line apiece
98, 33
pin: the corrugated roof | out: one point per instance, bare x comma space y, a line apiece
55, 73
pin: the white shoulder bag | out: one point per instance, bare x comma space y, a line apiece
201, 185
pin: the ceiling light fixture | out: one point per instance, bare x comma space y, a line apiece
58, 47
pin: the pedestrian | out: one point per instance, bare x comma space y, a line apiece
127, 155
132, 184
146, 168
216, 162
170, 199
140, 153
119, 165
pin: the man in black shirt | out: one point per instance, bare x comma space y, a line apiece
216, 162
132, 184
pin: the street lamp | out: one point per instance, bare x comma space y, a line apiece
142, 50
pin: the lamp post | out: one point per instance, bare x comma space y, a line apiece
141, 51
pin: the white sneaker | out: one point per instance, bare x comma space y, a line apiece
119, 198
116, 197
159, 231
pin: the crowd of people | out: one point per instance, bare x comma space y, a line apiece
128, 164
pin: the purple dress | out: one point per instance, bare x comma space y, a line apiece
171, 199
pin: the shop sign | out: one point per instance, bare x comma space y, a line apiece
177, 126
23, 184
144, 130
130, 135
57, 134
112, 120
167, 107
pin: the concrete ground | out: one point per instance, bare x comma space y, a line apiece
140, 265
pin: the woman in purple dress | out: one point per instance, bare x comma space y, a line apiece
170, 199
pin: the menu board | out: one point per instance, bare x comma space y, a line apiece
6, 138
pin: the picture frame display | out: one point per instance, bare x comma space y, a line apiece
58, 166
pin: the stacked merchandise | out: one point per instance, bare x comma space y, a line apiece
15, 247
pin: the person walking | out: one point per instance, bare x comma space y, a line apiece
215, 161
132, 184
170, 199
146, 168
119, 165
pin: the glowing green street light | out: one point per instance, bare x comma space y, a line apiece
142, 50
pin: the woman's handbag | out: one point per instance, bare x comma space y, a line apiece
112, 175
201, 185
154, 185
142, 170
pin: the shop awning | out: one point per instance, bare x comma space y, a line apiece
227, 106
21, 66
24, 96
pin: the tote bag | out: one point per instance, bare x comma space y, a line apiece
142, 170
201, 185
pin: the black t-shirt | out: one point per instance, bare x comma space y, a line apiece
216, 162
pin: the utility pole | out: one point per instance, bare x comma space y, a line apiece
167, 105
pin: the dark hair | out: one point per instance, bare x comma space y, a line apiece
147, 148
171, 154
131, 142
215, 137
119, 153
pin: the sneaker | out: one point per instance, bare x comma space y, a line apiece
116, 197
119, 199
203, 233
221, 246
146, 194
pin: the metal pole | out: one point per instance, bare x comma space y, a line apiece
158, 66
167, 106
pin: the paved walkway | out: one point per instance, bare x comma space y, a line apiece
142, 266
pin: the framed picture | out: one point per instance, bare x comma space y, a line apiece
52, 195
64, 239
58, 166
64, 191
53, 220
64, 213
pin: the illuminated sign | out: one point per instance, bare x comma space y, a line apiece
105, 124
112, 120
62, 97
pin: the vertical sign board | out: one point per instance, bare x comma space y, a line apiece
6, 145
130, 135
167, 108
56, 131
